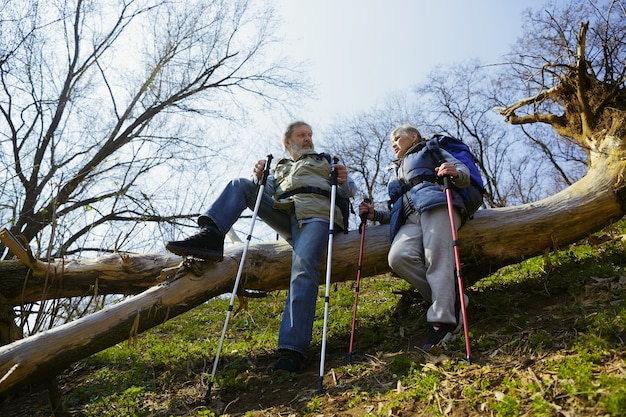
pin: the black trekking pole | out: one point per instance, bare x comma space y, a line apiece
357, 282
333, 197
259, 197
457, 260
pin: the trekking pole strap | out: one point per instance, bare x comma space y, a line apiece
364, 218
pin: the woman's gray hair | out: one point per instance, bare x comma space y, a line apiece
406, 129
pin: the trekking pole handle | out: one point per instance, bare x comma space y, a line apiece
364, 215
266, 171
334, 174
446, 182
446, 178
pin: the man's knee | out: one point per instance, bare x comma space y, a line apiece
242, 183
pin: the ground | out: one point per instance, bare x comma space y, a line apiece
371, 386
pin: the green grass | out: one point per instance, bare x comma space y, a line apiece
548, 337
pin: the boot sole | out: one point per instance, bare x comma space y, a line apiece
205, 255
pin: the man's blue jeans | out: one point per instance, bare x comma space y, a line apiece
308, 241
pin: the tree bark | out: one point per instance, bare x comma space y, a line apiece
494, 238
181, 289
117, 273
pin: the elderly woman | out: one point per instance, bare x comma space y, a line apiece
422, 249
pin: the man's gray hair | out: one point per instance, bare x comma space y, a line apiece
292, 126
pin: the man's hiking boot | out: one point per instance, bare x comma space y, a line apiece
289, 361
207, 244
440, 334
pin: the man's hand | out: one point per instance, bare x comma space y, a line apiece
342, 173
259, 167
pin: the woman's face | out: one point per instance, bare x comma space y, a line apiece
401, 142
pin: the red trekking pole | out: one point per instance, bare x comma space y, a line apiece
457, 260
358, 278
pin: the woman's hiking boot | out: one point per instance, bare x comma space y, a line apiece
207, 244
439, 335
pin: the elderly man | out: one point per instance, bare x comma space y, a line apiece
296, 204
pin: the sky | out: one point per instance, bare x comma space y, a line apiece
359, 51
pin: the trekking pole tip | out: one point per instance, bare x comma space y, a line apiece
207, 396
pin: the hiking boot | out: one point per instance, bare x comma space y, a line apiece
440, 334
290, 361
207, 244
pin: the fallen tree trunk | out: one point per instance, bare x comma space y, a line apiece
110, 274
182, 288
494, 238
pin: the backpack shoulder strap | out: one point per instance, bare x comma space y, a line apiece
326, 156
433, 146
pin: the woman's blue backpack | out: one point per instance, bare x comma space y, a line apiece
472, 195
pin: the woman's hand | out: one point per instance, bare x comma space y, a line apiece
366, 208
447, 169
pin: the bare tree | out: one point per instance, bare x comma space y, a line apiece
457, 101
102, 101
362, 142
112, 111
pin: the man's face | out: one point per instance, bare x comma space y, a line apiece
301, 141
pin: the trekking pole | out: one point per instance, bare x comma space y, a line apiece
259, 197
357, 283
333, 197
457, 260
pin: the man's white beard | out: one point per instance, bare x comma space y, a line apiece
298, 150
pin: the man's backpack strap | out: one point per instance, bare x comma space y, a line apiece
305, 190
342, 203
